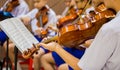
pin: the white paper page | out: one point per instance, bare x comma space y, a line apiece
18, 33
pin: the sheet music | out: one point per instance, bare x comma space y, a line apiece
18, 33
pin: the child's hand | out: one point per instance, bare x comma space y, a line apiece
52, 46
88, 43
26, 20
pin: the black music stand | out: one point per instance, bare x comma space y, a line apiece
16, 54
5, 15
7, 59
0, 65
7, 54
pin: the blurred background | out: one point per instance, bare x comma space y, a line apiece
57, 5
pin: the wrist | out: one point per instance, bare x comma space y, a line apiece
57, 47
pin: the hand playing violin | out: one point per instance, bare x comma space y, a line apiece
88, 43
53, 28
38, 31
26, 20
52, 46
41, 31
39, 53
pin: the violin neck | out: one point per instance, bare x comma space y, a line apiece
41, 22
50, 39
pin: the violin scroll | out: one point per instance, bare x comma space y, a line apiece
30, 51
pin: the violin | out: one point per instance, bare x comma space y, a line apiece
7, 8
42, 17
73, 14
30, 51
75, 34
100, 7
11, 5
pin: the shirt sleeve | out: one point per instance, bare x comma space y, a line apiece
100, 50
52, 20
32, 13
21, 10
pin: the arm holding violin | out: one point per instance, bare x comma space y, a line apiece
29, 16
22, 9
52, 19
87, 43
52, 22
72, 61
39, 31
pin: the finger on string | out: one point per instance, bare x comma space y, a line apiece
42, 44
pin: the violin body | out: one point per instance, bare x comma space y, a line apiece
5, 13
68, 18
70, 35
42, 17
65, 20
101, 7
42, 12
11, 5
76, 34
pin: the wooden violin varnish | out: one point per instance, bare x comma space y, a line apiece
75, 34
11, 5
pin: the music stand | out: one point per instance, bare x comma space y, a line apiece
16, 54
20, 36
5, 15
7, 54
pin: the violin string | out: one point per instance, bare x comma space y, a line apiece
83, 10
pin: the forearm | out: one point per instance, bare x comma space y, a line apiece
68, 58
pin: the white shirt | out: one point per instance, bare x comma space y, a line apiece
21, 9
52, 20
104, 52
